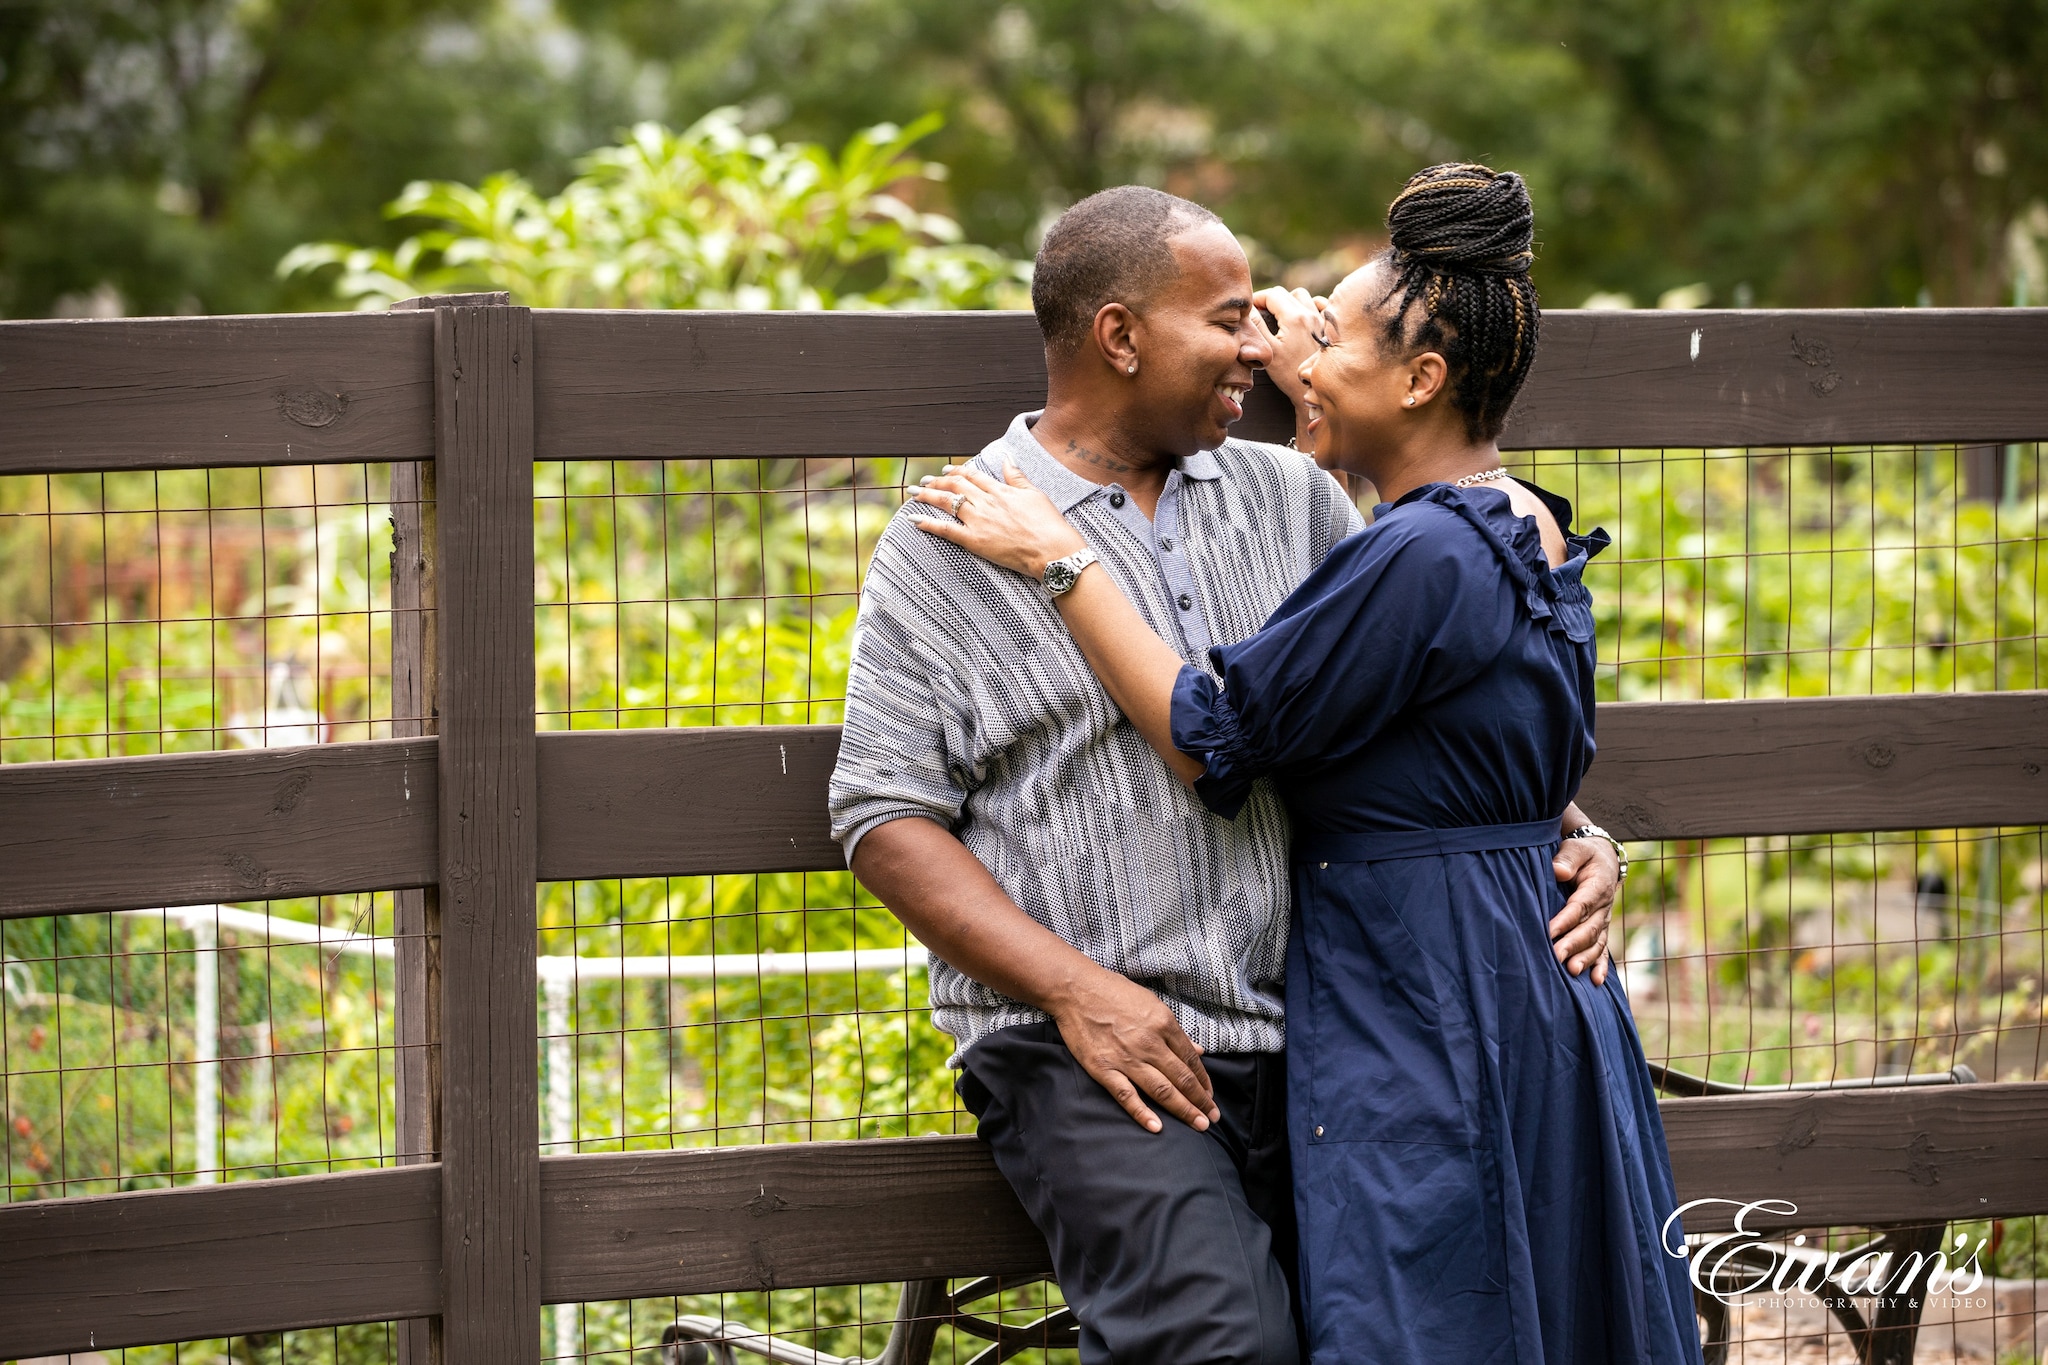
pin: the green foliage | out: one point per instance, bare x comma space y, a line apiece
712, 217
165, 153
1794, 152
1807, 573
1787, 151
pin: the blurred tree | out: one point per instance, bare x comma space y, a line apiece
711, 217
165, 152
1781, 151
1786, 151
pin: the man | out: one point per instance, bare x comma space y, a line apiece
1107, 954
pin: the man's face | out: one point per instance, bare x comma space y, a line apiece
1198, 345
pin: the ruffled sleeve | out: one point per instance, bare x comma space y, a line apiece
1205, 724
1403, 610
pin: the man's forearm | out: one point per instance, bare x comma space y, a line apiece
947, 899
1121, 1033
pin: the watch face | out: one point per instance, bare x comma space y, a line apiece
1059, 576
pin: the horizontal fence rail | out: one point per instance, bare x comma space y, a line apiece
185, 829
130, 1269
149, 393
158, 393
188, 829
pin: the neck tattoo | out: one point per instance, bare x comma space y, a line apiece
1097, 458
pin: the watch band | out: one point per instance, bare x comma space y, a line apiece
1595, 832
1062, 574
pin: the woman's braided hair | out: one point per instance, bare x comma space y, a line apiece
1463, 242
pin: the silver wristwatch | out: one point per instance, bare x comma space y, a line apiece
1062, 574
1595, 832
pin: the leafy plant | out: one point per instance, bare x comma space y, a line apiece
711, 217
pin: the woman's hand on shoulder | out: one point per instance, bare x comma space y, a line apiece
1007, 522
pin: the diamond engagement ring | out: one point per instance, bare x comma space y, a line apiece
958, 498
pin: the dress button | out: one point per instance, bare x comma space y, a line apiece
1187, 603
1324, 866
1319, 1130
1116, 500
1166, 542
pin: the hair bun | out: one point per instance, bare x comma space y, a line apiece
1463, 217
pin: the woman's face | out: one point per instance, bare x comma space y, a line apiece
1355, 393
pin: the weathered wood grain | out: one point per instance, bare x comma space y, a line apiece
190, 828
133, 1269
1817, 765
646, 385
646, 803
416, 912
159, 392
147, 393
814, 1213
1853, 1157
617, 385
117, 1270
1765, 377
490, 1124
737, 799
240, 825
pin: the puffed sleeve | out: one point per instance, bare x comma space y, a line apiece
1407, 609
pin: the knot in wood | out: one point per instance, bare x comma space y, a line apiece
311, 407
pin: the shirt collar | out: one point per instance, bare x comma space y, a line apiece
1066, 488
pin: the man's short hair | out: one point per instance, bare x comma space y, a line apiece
1109, 248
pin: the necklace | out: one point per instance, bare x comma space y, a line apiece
1470, 479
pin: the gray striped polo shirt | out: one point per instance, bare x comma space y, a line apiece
967, 703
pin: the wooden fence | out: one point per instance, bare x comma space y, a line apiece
464, 394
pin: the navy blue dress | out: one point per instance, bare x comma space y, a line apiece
1479, 1166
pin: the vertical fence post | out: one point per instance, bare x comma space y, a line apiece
489, 1062
417, 918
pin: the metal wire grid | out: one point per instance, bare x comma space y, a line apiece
704, 593
1811, 572
359, 1344
697, 592
158, 611
176, 610
721, 592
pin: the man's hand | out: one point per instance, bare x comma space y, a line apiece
1122, 1034
1128, 1040
1578, 933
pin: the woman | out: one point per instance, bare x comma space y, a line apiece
1480, 1170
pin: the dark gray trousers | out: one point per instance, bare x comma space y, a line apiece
1172, 1248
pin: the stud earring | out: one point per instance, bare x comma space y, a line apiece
1411, 400
1132, 370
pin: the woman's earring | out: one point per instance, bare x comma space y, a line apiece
1133, 370
1411, 400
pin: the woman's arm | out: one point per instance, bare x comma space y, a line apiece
1014, 525
1135, 666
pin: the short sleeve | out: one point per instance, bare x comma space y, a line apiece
1407, 609
901, 749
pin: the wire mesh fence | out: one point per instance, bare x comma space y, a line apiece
145, 613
